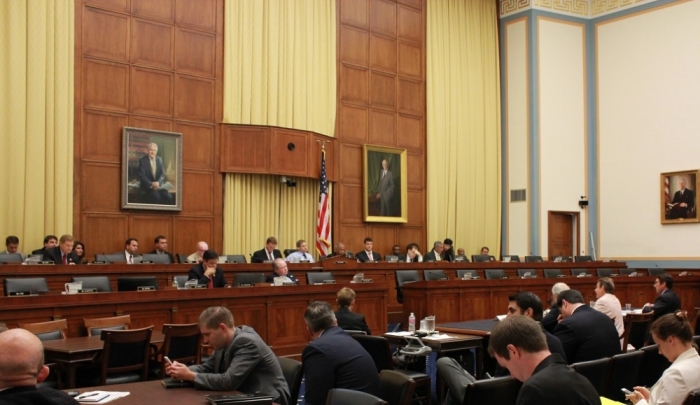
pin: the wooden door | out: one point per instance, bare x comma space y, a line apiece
563, 233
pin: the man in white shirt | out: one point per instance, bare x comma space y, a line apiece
131, 250
301, 255
435, 254
608, 303
412, 254
196, 257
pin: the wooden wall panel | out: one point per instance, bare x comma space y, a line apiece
154, 64
105, 35
381, 101
238, 139
152, 44
283, 160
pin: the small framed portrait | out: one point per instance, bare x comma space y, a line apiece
385, 184
678, 197
151, 170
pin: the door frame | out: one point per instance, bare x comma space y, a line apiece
576, 232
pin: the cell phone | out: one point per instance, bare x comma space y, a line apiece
626, 391
168, 360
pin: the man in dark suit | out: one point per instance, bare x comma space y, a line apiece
152, 177
50, 241
368, 255
63, 253
280, 269
683, 203
550, 321
268, 253
412, 254
161, 243
518, 344
448, 251
348, 320
207, 272
434, 255
667, 302
241, 360
334, 359
341, 251
22, 368
385, 190
585, 333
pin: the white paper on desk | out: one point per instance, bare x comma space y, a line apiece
400, 333
111, 396
501, 317
437, 337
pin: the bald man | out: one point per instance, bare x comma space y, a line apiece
22, 368
196, 257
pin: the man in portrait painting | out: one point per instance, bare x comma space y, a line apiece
385, 190
152, 176
683, 204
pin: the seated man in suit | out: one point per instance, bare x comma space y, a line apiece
412, 254
302, 253
460, 252
435, 254
241, 360
348, 320
280, 269
551, 320
448, 251
268, 253
22, 368
585, 333
12, 246
522, 303
207, 272
50, 241
63, 253
667, 302
196, 257
340, 251
161, 243
368, 255
152, 177
131, 251
518, 344
334, 359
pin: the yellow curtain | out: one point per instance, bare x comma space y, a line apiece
279, 63
36, 117
463, 124
258, 206
279, 70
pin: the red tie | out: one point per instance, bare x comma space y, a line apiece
65, 259
210, 284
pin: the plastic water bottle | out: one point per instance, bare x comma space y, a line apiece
412, 323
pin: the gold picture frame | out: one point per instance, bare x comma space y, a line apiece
679, 197
384, 184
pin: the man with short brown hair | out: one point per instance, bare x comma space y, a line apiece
63, 253
268, 253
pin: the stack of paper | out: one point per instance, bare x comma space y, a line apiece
99, 397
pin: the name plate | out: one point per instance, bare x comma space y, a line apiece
87, 290
45, 262
146, 288
340, 262
192, 286
20, 293
328, 281
146, 262
366, 280
289, 283
246, 285
99, 262
304, 261
443, 279
561, 276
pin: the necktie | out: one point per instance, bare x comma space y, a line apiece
65, 258
153, 167
369, 256
210, 283
222, 363
269, 256
131, 259
304, 256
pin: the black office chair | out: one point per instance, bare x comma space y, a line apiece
502, 390
578, 272
636, 329
391, 258
403, 277
552, 273
493, 274
182, 258
397, 388
433, 275
533, 259
10, 258
155, 258
113, 258
562, 259
319, 278
33, 285
342, 396
653, 366
622, 374
181, 343
596, 371
513, 258
604, 272
101, 283
472, 273
482, 258
583, 259
51, 330
693, 398
291, 369
181, 280
527, 273
655, 271
235, 259
288, 252
248, 278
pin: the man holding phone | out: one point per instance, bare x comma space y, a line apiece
207, 272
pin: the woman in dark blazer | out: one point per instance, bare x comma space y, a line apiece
347, 319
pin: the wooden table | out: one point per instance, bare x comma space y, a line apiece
153, 392
72, 352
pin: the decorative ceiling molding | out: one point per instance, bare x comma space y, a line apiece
574, 8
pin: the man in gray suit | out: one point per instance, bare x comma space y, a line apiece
386, 190
241, 360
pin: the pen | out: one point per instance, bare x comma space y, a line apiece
87, 396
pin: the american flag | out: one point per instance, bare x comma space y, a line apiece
323, 221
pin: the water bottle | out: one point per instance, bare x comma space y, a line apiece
175, 282
412, 323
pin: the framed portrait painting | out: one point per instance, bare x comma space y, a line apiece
678, 197
385, 184
151, 169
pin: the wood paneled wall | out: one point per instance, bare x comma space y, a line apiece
381, 101
157, 65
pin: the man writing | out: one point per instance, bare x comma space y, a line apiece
518, 344
207, 272
241, 360
63, 253
152, 176
280, 270
301, 255
22, 368
268, 253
